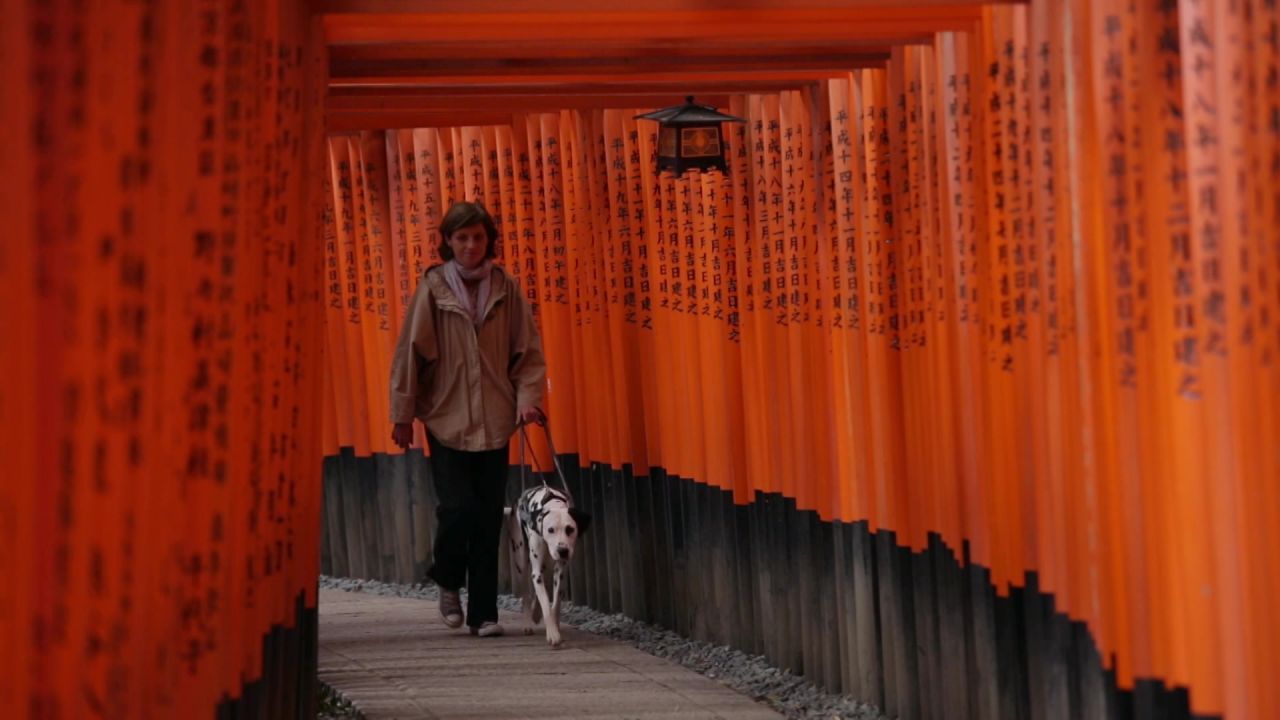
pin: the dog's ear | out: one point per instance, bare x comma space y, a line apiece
581, 518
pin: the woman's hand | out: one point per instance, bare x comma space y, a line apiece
530, 414
402, 435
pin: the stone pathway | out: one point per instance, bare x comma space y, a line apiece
393, 658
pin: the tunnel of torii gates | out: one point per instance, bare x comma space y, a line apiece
957, 393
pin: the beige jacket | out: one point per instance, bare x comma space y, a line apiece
465, 384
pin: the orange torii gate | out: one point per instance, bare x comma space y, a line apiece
967, 367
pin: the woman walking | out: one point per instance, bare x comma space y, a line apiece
469, 365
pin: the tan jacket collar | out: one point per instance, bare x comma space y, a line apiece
446, 300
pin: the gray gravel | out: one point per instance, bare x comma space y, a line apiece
751, 675
332, 705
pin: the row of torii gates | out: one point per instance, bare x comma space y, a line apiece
956, 393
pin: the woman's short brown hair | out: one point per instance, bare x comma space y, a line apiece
465, 214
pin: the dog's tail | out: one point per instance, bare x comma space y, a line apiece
519, 555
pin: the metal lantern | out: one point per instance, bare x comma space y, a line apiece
689, 136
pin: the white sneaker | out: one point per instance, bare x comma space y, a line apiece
488, 629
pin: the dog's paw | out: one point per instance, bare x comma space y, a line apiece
553, 637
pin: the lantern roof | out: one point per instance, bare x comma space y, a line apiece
688, 113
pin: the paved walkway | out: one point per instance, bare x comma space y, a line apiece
393, 658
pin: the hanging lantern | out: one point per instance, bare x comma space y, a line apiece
689, 136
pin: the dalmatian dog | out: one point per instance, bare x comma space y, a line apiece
547, 526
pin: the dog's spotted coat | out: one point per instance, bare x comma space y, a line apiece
547, 524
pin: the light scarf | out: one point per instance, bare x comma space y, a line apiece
455, 275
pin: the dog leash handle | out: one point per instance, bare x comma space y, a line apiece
555, 459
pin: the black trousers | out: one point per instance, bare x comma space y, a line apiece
471, 488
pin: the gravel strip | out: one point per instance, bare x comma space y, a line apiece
333, 705
751, 675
